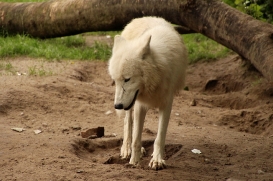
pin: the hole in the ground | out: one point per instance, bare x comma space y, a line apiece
233, 101
222, 85
248, 121
80, 75
107, 151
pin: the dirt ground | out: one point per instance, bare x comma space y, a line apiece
227, 114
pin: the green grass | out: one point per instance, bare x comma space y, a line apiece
7, 67
39, 71
201, 48
71, 47
103, 33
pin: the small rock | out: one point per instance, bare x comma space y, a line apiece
93, 133
148, 131
233, 179
108, 112
110, 135
44, 124
179, 123
196, 151
177, 114
260, 172
80, 171
19, 73
93, 137
76, 127
206, 160
193, 102
94, 160
37, 131
65, 129
109, 160
18, 129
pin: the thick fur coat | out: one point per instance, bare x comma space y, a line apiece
148, 67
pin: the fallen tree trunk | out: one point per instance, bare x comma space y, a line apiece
58, 18
250, 38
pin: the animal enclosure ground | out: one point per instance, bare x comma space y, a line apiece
227, 114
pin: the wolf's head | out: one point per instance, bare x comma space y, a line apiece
125, 68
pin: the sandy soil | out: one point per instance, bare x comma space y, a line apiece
231, 124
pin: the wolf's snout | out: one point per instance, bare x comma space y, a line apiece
118, 106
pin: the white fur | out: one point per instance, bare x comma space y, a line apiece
150, 57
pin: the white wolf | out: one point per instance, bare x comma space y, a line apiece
148, 67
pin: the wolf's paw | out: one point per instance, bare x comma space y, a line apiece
125, 152
157, 164
134, 161
135, 157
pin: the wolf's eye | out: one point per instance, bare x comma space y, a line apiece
126, 80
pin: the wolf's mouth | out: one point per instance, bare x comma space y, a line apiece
133, 102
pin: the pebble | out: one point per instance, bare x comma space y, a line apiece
193, 102
76, 127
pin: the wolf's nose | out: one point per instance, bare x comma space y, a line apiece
118, 106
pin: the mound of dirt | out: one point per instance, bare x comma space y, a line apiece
226, 114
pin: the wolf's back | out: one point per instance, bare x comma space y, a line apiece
139, 26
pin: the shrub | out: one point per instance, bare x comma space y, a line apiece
259, 9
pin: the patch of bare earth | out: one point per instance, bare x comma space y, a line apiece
227, 114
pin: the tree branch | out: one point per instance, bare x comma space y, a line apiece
243, 34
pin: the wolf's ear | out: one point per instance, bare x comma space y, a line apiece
118, 40
145, 49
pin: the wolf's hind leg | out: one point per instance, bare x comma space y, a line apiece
125, 150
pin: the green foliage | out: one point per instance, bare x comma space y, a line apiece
267, 9
259, 9
230, 2
202, 48
249, 7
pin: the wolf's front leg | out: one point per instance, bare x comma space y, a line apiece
139, 116
157, 162
125, 150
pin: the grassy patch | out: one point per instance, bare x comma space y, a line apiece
71, 47
7, 67
103, 33
201, 48
39, 71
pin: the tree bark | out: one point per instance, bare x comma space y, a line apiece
250, 38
